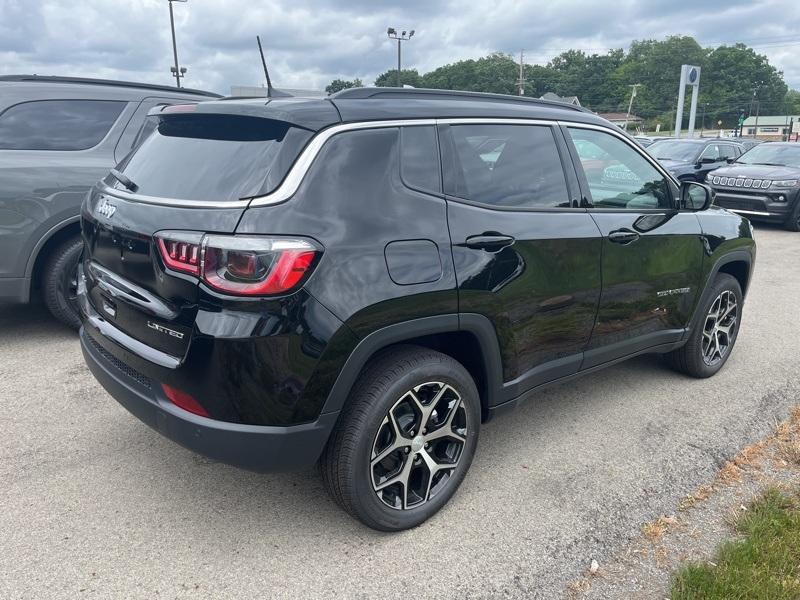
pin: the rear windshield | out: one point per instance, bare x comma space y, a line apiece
213, 157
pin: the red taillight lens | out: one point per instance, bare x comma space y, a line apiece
180, 254
183, 400
240, 265
254, 266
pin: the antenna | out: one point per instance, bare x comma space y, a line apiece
266, 72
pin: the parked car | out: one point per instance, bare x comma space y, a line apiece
693, 159
58, 136
363, 280
763, 184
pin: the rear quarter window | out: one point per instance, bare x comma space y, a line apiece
58, 124
419, 158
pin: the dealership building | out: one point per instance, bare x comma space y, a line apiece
772, 127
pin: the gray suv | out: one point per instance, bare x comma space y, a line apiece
58, 136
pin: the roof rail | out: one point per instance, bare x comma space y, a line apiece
109, 82
377, 92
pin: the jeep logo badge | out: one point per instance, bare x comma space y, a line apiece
106, 209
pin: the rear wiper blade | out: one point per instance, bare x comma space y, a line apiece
124, 180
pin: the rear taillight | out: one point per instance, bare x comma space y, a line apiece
180, 250
239, 265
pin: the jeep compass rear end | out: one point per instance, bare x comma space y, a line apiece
361, 281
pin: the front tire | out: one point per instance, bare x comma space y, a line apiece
405, 440
715, 331
60, 282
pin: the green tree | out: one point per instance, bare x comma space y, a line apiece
407, 77
656, 65
337, 85
497, 73
734, 78
792, 102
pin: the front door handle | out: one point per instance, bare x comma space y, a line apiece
491, 242
623, 236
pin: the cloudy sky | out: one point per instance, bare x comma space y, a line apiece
310, 42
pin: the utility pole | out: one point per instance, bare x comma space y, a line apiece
177, 72
521, 80
630, 104
400, 37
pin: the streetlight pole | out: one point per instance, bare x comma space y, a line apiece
176, 70
400, 37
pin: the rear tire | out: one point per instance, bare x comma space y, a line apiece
60, 282
714, 332
405, 440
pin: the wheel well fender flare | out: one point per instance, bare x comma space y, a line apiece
477, 325
726, 259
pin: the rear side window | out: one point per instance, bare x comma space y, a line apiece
213, 157
516, 166
419, 158
57, 124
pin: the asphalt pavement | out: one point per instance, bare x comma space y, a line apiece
95, 504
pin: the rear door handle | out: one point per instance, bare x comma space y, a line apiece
493, 242
623, 236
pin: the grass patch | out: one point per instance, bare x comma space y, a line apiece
764, 563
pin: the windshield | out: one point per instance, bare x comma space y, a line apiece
675, 150
772, 154
213, 157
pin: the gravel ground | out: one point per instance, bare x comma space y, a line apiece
94, 503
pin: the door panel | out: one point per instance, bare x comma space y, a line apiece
541, 292
652, 254
525, 256
649, 283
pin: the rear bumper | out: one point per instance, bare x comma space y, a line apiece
253, 447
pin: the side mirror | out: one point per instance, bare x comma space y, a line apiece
707, 160
730, 161
696, 196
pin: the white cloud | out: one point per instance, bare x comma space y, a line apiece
310, 42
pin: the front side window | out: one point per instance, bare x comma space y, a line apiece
57, 124
514, 166
711, 153
621, 178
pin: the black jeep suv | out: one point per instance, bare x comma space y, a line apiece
58, 136
363, 280
693, 159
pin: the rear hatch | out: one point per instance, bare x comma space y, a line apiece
193, 175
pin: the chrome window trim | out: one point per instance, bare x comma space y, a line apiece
297, 172
301, 166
